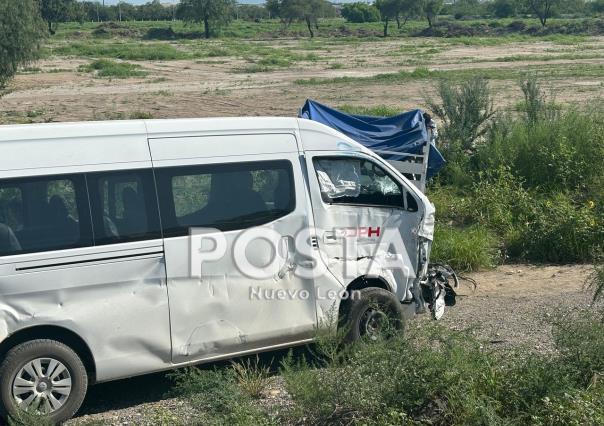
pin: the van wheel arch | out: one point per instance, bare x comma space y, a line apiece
51, 332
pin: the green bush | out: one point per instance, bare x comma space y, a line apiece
550, 155
438, 376
360, 12
217, 396
465, 249
580, 342
109, 68
126, 51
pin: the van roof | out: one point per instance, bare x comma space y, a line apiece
25, 149
151, 128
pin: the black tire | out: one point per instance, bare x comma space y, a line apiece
381, 302
26, 352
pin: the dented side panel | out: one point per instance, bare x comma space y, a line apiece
355, 239
118, 307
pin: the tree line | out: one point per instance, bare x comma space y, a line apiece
216, 13
401, 11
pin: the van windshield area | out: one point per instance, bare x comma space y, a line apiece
42, 214
359, 181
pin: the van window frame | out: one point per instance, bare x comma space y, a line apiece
149, 187
404, 190
165, 176
82, 200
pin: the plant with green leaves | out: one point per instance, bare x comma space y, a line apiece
544, 9
212, 13
431, 9
360, 12
466, 109
308, 11
54, 11
21, 33
389, 10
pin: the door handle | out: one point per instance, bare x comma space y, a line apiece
329, 237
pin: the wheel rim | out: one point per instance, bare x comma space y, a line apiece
373, 323
42, 385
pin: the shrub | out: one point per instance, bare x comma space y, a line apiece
465, 110
438, 376
549, 156
108, 68
580, 342
360, 12
125, 51
252, 377
217, 395
465, 249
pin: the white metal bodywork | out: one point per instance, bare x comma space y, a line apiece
132, 303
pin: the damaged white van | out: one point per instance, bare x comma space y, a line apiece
132, 247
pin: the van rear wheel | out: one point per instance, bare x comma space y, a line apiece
375, 314
43, 377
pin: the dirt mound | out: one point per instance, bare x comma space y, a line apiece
115, 29
161, 34
453, 29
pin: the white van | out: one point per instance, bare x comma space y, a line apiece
130, 247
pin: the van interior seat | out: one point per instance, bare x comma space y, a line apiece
134, 221
8, 241
62, 227
231, 196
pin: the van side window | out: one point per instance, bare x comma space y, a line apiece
225, 196
124, 206
360, 182
42, 214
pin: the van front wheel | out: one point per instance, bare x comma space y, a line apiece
373, 314
43, 377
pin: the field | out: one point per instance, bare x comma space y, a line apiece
160, 70
274, 76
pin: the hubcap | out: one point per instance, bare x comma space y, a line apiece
42, 385
373, 323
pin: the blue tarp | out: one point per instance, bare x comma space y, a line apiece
389, 137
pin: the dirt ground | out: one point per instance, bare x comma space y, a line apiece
512, 308
57, 91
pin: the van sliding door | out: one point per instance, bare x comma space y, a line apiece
248, 192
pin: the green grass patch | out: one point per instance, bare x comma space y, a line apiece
125, 51
551, 71
376, 111
401, 381
105, 68
465, 249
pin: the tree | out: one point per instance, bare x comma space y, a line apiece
21, 31
407, 9
54, 11
213, 13
543, 9
308, 11
389, 9
431, 9
360, 12
597, 6
504, 8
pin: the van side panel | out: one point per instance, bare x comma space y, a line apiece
113, 295
117, 305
